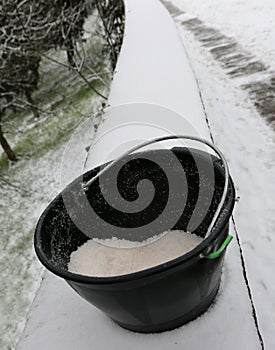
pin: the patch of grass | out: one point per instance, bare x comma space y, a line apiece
22, 244
4, 163
63, 101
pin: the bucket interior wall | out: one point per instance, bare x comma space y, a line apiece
59, 236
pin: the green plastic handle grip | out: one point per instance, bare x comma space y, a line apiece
218, 252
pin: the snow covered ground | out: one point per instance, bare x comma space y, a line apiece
249, 146
243, 316
29, 185
250, 22
36, 182
20, 271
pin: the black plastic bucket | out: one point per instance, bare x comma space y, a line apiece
159, 298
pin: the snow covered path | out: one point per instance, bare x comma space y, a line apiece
248, 68
248, 277
251, 22
249, 146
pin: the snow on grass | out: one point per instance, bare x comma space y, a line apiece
27, 187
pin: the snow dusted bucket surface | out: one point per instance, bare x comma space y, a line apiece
161, 293
97, 258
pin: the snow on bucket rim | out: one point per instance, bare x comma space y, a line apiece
194, 254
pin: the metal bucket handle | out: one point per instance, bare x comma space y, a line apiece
86, 185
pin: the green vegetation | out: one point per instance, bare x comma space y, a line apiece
64, 100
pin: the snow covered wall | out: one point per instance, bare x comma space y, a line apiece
152, 70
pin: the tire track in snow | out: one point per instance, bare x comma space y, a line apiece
175, 11
258, 79
225, 50
239, 63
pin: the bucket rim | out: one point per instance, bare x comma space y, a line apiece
194, 254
